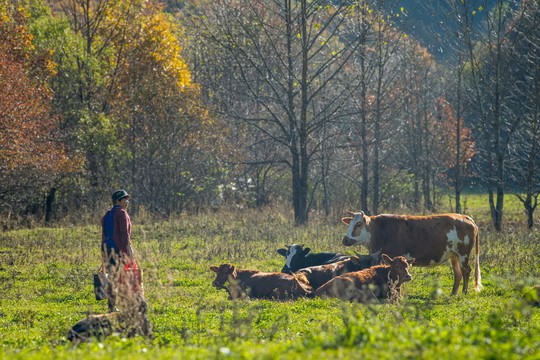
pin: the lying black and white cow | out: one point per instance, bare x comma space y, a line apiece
297, 257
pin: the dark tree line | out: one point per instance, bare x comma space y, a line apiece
322, 105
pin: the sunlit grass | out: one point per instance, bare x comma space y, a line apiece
476, 204
46, 286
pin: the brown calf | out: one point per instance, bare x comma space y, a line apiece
257, 284
368, 284
316, 276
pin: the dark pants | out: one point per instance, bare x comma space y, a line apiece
112, 262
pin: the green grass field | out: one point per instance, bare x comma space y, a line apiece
46, 287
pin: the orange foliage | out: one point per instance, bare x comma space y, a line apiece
446, 125
28, 137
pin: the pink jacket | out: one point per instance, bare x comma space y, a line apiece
122, 231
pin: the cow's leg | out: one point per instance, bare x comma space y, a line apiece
466, 272
457, 274
281, 293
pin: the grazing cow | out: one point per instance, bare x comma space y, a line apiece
257, 284
431, 240
298, 257
377, 282
316, 276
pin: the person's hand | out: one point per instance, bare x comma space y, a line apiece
131, 255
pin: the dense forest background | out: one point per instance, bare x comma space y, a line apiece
319, 105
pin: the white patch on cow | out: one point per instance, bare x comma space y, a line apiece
352, 224
453, 242
364, 238
292, 252
453, 239
407, 256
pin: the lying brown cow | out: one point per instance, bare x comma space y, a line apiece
431, 240
316, 276
257, 284
369, 284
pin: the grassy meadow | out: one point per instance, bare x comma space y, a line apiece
46, 287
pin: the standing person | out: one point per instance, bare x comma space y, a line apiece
116, 248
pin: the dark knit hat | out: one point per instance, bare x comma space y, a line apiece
119, 194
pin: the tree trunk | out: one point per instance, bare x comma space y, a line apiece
377, 130
426, 156
48, 205
364, 130
302, 217
458, 142
365, 154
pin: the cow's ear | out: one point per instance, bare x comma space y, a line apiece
410, 261
282, 252
376, 255
386, 259
214, 268
347, 220
306, 251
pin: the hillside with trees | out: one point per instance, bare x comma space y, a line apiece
316, 105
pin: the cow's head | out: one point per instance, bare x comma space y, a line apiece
357, 232
366, 261
399, 268
293, 257
225, 273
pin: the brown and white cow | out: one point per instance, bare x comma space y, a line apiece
374, 283
258, 284
431, 240
316, 276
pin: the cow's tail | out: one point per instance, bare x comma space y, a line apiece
477, 277
301, 277
304, 288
